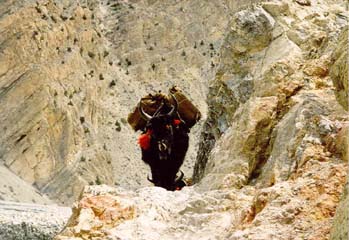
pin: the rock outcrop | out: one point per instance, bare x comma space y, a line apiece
21, 221
294, 54
15, 189
70, 72
272, 160
339, 69
339, 74
52, 59
340, 224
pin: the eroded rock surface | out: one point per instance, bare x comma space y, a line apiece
272, 160
339, 231
339, 69
20, 221
71, 71
51, 58
15, 189
273, 153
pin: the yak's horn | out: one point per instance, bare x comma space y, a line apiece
174, 107
144, 115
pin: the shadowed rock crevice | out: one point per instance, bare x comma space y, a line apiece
222, 104
250, 31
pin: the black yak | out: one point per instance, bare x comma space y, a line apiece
164, 144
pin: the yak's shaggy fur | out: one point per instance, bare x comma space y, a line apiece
169, 143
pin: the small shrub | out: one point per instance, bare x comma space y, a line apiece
112, 84
82, 120
98, 181
118, 126
91, 54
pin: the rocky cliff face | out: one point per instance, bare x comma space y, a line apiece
157, 44
71, 71
269, 77
272, 158
52, 61
23, 221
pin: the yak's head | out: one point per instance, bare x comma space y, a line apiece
160, 128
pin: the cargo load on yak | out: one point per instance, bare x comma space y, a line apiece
187, 112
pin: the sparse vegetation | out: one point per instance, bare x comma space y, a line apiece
98, 181
123, 121
112, 84
53, 19
38, 9
64, 18
82, 120
117, 126
91, 54
35, 33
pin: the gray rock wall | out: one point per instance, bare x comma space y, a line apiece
339, 69
339, 74
340, 224
19, 221
52, 59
